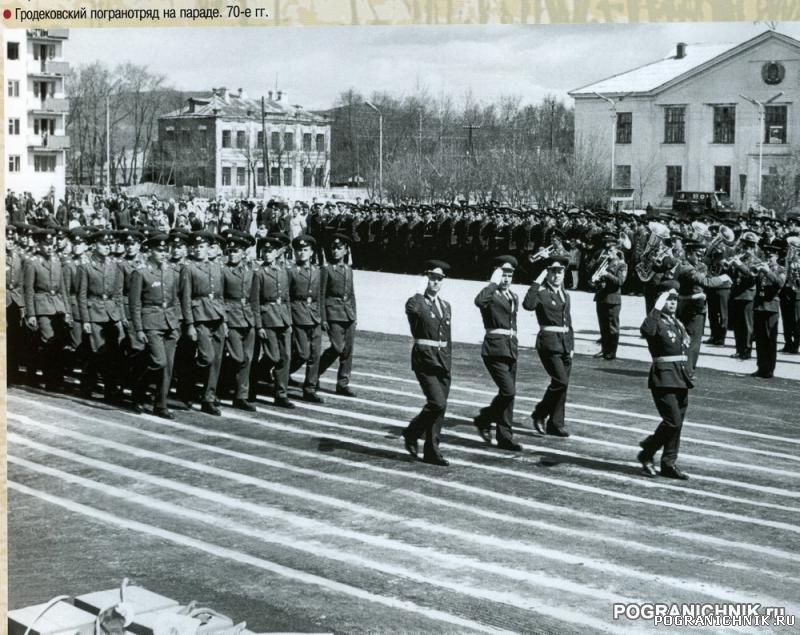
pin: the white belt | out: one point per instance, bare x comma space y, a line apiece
432, 343
555, 329
500, 332
670, 358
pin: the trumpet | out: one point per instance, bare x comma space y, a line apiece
545, 252
598, 274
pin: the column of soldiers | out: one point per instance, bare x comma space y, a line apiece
210, 315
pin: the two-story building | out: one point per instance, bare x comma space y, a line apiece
225, 139
35, 110
709, 117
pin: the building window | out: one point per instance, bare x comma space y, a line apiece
241, 139
288, 141
42, 126
226, 138
185, 137
13, 163
12, 50
724, 124
320, 143
722, 179
226, 176
624, 127
13, 126
307, 176
275, 141
319, 177
169, 134
775, 124
287, 176
622, 176
13, 88
674, 123
674, 179
44, 163
44, 52
275, 176
260, 177
307, 141
44, 89
260, 139
241, 177
201, 128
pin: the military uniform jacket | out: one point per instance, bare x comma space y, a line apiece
153, 298
498, 313
100, 286
201, 292
427, 325
269, 297
744, 283
237, 283
768, 286
44, 289
305, 291
128, 266
14, 280
666, 338
693, 280
71, 279
609, 289
551, 311
338, 293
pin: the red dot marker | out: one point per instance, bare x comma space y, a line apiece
7, 14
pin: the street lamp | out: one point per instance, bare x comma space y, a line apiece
613, 105
380, 147
108, 134
761, 108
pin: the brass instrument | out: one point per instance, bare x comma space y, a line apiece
654, 251
725, 236
624, 242
543, 253
598, 274
792, 253
700, 231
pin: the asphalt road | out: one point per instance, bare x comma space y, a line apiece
317, 519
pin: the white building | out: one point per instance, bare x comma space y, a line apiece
709, 117
36, 111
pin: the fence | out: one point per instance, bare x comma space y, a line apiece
164, 192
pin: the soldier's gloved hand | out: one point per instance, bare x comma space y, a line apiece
662, 300
540, 278
423, 285
191, 332
262, 333
87, 327
497, 276
31, 322
142, 337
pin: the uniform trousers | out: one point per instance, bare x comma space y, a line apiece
17, 342
52, 335
501, 411
671, 404
608, 320
104, 339
240, 344
790, 315
160, 358
558, 366
201, 361
271, 361
435, 386
743, 325
306, 345
694, 323
341, 336
765, 329
717, 300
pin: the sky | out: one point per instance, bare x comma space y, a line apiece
314, 65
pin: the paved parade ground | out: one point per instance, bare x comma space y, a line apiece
317, 520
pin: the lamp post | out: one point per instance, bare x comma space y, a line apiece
380, 148
761, 108
613, 105
108, 135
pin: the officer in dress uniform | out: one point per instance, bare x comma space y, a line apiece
770, 277
130, 260
204, 317
75, 350
608, 296
429, 318
555, 343
790, 303
499, 305
269, 298
48, 312
100, 285
669, 381
237, 282
305, 291
339, 298
155, 312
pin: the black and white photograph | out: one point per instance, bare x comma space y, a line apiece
463, 328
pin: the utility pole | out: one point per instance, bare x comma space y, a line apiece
264, 152
762, 132
613, 105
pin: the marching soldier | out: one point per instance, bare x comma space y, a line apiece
16, 337
305, 290
339, 300
743, 291
555, 343
499, 305
100, 285
237, 281
429, 319
131, 259
269, 298
203, 312
155, 312
610, 274
770, 278
669, 381
47, 309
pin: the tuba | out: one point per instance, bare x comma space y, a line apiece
700, 231
654, 250
725, 236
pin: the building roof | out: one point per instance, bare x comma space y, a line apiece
220, 103
672, 69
